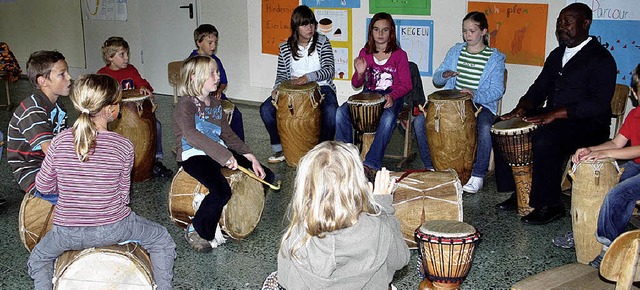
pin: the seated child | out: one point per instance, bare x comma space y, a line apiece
90, 168
343, 233
206, 38
115, 52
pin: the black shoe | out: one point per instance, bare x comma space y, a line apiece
544, 215
510, 204
159, 170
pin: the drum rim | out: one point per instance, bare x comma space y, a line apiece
602, 160
290, 87
134, 99
437, 94
513, 131
468, 239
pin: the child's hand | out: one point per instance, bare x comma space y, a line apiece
274, 94
232, 163
217, 94
300, 81
145, 91
360, 64
256, 166
596, 155
580, 153
449, 74
384, 184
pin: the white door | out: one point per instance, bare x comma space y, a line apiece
167, 35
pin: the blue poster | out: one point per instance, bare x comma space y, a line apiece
332, 3
622, 39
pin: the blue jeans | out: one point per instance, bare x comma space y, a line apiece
236, 120
328, 110
483, 154
618, 205
344, 131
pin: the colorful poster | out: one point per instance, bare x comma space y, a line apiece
276, 19
612, 9
343, 62
518, 30
403, 7
334, 23
332, 3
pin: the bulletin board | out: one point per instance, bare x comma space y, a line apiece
336, 25
405, 7
276, 23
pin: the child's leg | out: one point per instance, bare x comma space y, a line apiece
383, 135
268, 115
481, 164
328, 106
51, 246
159, 152
344, 129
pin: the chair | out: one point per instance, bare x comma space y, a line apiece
620, 265
173, 73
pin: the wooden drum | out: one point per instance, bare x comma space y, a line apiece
239, 217
592, 180
299, 119
137, 122
452, 131
366, 110
513, 137
35, 219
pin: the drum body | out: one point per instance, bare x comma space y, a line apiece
446, 251
592, 180
425, 196
513, 137
137, 122
298, 117
34, 220
452, 132
366, 110
112, 267
239, 217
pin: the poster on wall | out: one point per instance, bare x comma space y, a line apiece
516, 29
106, 10
615, 24
332, 3
336, 25
342, 58
276, 19
404, 7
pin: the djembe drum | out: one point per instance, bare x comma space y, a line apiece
137, 122
366, 110
445, 252
452, 131
592, 180
113, 267
299, 119
35, 219
239, 217
513, 137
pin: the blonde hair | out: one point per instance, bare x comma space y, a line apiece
330, 193
194, 73
111, 46
91, 93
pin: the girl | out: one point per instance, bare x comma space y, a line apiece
90, 168
382, 67
342, 233
206, 144
475, 68
305, 57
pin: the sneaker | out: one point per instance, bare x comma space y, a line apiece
596, 261
218, 238
159, 170
564, 241
473, 185
276, 157
370, 173
197, 243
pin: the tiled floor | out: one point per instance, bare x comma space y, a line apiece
508, 252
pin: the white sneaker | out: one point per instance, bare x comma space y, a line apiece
276, 157
218, 239
473, 185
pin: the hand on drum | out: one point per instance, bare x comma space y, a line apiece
449, 74
590, 155
298, 81
384, 183
389, 101
145, 91
470, 92
580, 153
518, 112
274, 94
256, 166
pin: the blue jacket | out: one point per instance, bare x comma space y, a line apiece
491, 86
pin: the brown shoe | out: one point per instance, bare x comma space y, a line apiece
197, 243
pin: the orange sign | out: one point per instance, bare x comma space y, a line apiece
518, 30
276, 21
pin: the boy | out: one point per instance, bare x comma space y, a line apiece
115, 52
38, 117
206, 39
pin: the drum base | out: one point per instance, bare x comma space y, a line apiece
522, 176
366, 140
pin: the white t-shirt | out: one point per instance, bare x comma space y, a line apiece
306, 63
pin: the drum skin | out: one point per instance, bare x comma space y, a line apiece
592, 180
365, 110
137, 122
34, 220
452, 132
239, 217
298, 117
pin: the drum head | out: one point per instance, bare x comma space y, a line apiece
508, 127
132, 96
444, 95
366, 98
447, 229
289, 86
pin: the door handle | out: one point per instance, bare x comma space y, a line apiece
190, 6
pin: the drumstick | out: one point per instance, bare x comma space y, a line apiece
254, 176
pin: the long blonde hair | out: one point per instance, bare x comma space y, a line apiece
197, 66
91, 93
330, 193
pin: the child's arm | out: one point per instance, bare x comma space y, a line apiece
281, 71
125, 176
327, 63
46, 178
142, 84
611, 148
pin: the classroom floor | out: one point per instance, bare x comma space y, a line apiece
508, 252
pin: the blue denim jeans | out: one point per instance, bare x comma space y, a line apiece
344, 131
328, 110
618, 205
481, 164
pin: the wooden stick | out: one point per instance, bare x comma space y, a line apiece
254, 176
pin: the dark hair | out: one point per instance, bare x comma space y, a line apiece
40, 63
203, 31
635, 79
481, 19
301, 16
581, 8
392, 45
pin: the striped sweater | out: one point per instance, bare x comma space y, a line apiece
94, 192
323, 46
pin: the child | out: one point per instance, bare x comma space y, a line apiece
115, 53
619, 203
305, 57
38, 117
483, 79
206, 145
90, 169
206, 38
381, 56
342, 232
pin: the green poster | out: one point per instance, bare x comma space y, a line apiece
401, 7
